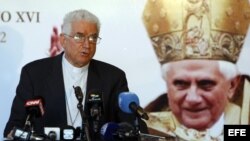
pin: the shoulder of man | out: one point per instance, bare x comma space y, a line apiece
43, 62
104, 66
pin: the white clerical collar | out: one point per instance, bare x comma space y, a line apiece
217, 128
73, 69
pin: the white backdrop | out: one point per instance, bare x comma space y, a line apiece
25, 31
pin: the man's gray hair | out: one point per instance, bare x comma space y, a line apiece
79, 15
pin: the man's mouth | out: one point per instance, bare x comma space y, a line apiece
85, 52
195, 110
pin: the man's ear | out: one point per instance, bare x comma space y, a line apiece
62, 39
234, 83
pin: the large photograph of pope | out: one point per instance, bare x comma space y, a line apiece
198, 43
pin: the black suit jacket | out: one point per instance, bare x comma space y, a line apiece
44, 78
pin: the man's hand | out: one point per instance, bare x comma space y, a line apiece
10, 135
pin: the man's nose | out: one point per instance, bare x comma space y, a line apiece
193, 94
85, 43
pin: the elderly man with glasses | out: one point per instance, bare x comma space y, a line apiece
54, 79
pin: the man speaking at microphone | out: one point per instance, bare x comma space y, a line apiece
53, 79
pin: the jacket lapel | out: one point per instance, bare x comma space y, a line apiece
56, 91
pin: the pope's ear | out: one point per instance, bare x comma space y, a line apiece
234, 84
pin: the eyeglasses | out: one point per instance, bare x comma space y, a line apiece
80, 38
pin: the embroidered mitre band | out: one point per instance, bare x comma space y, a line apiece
197, 29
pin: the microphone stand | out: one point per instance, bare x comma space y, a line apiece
137, 126
85, 125
137, 129
95, 113
27, 124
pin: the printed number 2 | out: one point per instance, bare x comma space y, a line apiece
2, 37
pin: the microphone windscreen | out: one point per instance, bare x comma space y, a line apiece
125, 99
53, 133
68, 133
35, 106
78, 93
125, 127
107, 131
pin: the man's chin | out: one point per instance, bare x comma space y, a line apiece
198, 124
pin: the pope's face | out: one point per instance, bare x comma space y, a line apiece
197, 92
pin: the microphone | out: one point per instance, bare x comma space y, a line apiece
34, 108
95, 108
53, 133
126, 132
118, 132
68, 133
108, 130
78, 93
129, 103
85, 123
19, 134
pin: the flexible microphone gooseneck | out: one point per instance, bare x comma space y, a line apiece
129, 103
85, 123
